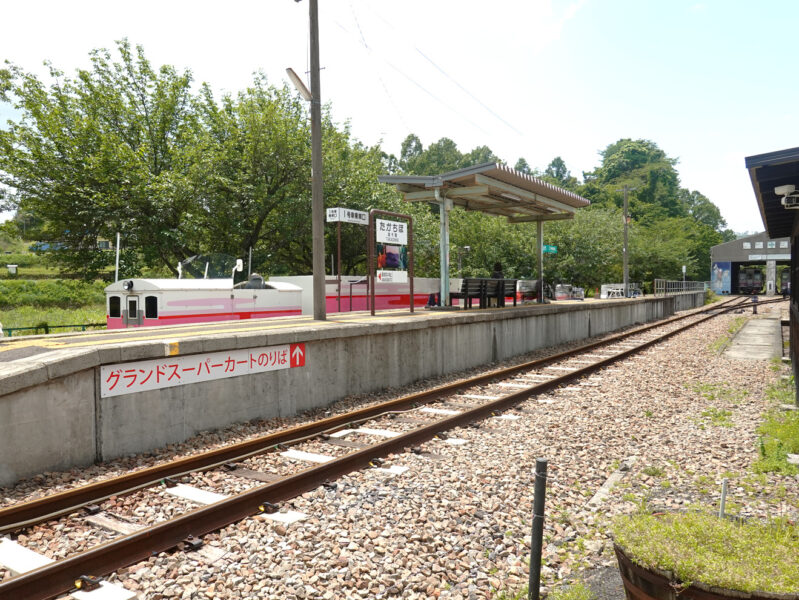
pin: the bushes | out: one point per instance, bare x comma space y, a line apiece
60, 293
22, 259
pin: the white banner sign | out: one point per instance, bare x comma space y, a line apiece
769, 257
129, 378
347, 215
392, 232
392, 276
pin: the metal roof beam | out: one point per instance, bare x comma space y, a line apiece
547, 217
524, 194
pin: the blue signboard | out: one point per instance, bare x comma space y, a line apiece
720, 277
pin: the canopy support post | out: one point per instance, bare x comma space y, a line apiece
444, 205
540, 241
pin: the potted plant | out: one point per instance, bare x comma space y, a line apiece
692, 555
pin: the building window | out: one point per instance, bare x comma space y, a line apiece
747, 246
150, 307
783, 244
115, 307
758, 244
771, 244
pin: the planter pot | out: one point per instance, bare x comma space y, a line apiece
653, 584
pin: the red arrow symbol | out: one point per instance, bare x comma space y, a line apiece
297, 355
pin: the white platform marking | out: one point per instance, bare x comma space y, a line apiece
341, 433
387, 433
455, 441
392, 470
288, 517
307, 456
195, 494
440, 411
479, 397
106, 591
19, 559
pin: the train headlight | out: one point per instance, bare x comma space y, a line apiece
127, 285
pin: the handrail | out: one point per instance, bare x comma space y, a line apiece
665, 287
46, 328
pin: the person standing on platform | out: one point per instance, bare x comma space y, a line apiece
496, 274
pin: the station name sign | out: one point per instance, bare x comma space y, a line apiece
391, 232
347, 215
146, 375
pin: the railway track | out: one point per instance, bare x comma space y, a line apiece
412, 420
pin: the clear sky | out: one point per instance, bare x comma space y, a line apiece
710, 81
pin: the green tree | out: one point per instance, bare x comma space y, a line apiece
558, 174
524, 167
101, 153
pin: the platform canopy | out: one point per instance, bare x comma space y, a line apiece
494, 189
767, 172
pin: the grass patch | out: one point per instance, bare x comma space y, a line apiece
47, 293
505, 595
779, 432
653, 471
718, 417
573, 591
698, 547
720, 391
723, 341
29, 316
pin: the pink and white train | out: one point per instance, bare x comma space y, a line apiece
148, 302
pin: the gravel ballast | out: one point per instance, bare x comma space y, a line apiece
457, 523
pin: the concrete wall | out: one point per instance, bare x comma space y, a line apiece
688, 300
52, 419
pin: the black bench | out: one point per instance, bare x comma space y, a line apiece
470, 289
506, 289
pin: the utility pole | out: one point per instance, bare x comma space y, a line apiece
626, 261
317, 199
626, 249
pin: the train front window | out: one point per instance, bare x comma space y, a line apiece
150, 307
115, 307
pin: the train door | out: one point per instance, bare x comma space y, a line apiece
132, 314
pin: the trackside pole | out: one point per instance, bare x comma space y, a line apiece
537, 537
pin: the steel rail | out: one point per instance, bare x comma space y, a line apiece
29, 513
56, 578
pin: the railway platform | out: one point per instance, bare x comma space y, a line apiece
115, 393
759, 339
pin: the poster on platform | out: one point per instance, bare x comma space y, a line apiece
720, 277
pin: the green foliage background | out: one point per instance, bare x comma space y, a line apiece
123, 146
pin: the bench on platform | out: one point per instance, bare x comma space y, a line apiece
485, 290
470, 289
507, 289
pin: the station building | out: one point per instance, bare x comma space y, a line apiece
728, 260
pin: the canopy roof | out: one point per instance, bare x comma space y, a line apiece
768, 171
495, 189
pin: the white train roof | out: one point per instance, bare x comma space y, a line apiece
173, 285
